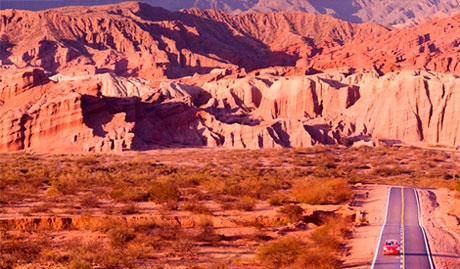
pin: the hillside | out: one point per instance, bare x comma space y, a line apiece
134, 77
139, 40
388, 12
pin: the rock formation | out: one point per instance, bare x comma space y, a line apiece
134, 39
133, 77
388, 12
431, 46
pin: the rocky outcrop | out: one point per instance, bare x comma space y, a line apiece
432, 46
111, 113
410, 106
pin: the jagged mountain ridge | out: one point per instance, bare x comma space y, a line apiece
135, 39
431, 46
117, 78
387, 12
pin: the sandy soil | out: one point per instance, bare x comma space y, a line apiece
361, 246
441, 219
237, 251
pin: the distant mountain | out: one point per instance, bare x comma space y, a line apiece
385, 12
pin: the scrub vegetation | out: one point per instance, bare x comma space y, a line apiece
174, 206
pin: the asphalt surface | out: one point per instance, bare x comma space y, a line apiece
402, 224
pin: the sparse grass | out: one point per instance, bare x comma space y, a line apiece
120, 236
196, 207
281, 252
98, 184
19, 249
246, 203
277, 199
129, 209
163, 193
323, 191
320, 251
89, 201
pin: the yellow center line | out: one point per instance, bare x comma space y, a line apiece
402, 227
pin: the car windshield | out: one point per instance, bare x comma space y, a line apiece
391, 243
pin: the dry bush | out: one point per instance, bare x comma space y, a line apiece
277, 199
387, 171
17, 250
184, 245
316, 259
89, 160
66, 184
163, 193
196, 207
92, 254
331, 235
281, 252
322, 191
104, 224
324, 244
129, 209
89, 201
120, 236
207, 233
246, 203
293, 213
44, 207
124, 193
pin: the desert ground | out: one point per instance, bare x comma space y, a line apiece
211, 208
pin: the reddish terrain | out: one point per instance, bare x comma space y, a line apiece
389, 12
131, 76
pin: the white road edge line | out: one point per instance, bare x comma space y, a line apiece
423, 231
381, 231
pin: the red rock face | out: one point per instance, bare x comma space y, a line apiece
431, 46
133, 77
134, 39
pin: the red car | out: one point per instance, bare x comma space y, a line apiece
391, 247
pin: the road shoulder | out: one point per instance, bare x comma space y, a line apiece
360, 248
440, 211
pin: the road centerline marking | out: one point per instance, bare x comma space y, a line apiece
402, 229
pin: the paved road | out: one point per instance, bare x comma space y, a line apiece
402, 223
